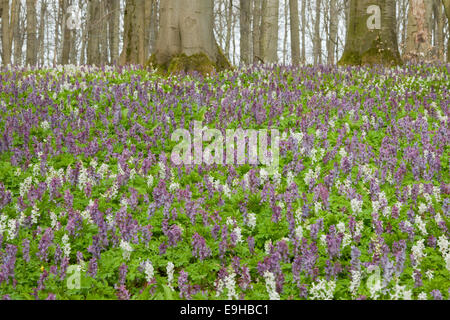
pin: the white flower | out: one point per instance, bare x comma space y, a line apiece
356, 205
54, 219
417, 250
148, 270
421, 225
25, 186
323, 290
66, 245
170, 269
230, 284
149, 181
251, 220
267, 246
45, 125
422, 296
355, 283
237, 232
271, 286
127, 249
430, 274
12, 229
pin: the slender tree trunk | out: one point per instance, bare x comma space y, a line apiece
447, 13
303, 31
134, 33
42, 32
229, 20
31, 33
332, 41
317, 39
256, 34
67, 34
374, 45
269, 31
8, 23
113, 30
154, 26
245, 31
18, 36
440, 25
295, 32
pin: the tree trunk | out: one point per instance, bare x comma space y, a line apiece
18, 36
134, 33
245, 31
114, 21
42, 32
256, 34
419, 31
374, 45
447, 13
31, 33
67, 34
440, 25
332, 40
186, 38
295, 32
269, 31
317, 39
303, 31
8, 23
94, 33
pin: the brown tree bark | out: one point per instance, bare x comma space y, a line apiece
134, 33
419, 31
295, 32
245, 31
447, 13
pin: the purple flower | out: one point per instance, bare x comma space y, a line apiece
44, 244
199, 247
183, 285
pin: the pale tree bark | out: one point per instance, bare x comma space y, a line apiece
113, 30
303, 58
439, 25
377, 44
154, 25
269, 31
295, 32
256, 32
333, 33
103, 25
18, 36
229, 22
447, 13
42, 31
419, 31
148, 7
8, 22
187, 28
134, 33
317, 39
245, 31
286, 14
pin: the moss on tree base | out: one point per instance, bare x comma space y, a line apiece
189, 64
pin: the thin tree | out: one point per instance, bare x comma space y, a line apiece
295, 32
245, 31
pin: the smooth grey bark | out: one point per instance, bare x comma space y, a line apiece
134, 33
8, 23
303, 31
186, 27
31, 33
447, 13
269, 31
295, 32
364, 46
245, 31
18, 36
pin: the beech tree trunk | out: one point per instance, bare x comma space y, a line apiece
187, 29
317, 39
134, 33
93, 26
295, 31
245, 31
419, 31
256, 34
114, 20
67, 34
8, 23
269, 31
332, 41
377, 45
447, 13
